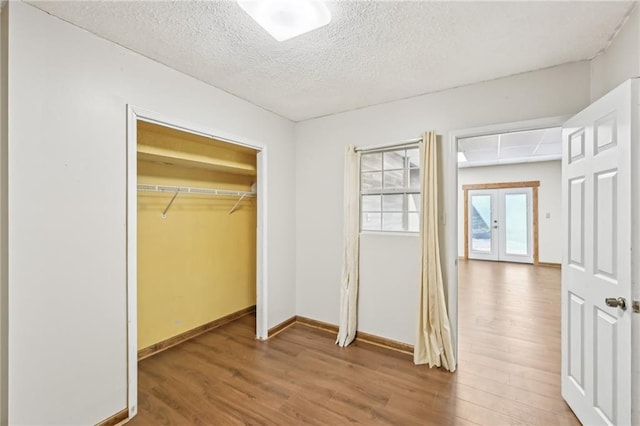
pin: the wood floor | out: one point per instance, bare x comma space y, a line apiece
509, 368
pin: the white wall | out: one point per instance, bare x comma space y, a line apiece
386, 291
68, 92
620, 61
549, 173
319, 161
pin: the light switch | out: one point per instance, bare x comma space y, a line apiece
548, 215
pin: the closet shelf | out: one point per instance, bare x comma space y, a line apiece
202, 191
183, 159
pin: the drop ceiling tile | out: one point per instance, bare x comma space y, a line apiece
549, 149
489, 155
516, 152
553, 135
530, 138
480, 143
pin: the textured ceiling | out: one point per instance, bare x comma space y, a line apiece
371, 52
509, 148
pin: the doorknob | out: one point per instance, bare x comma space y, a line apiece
620, 302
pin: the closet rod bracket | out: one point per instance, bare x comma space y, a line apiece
235, 206
164, 213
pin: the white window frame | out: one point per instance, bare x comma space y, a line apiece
405, 191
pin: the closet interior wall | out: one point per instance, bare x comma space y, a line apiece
198, 263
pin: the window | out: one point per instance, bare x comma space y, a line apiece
390, 190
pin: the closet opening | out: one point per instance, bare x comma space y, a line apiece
195, 231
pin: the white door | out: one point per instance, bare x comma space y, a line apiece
596, 265
501, 224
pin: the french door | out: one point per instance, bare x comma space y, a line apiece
500, 224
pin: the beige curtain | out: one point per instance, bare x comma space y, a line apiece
351, 248
433, 341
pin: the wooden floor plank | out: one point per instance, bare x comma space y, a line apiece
508, 374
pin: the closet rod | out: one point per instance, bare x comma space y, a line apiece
189, 190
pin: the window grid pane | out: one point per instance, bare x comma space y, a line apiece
392, 222
413, 156
371, 180
414, 202
371, 221
393, 203
394, 160
414, 222
371, 162
390, 191
414, 178
371, 203
393, 179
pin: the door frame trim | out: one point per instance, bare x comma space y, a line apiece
534, 184
450, 184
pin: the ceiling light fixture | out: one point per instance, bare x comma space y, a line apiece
461, 157
285, 19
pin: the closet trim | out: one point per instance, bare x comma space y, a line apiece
135, 114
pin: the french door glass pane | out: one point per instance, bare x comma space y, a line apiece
516, 224
481, 223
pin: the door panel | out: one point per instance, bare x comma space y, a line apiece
576, 221
605, 224
576, 340
576, 146
596, 337
604, 368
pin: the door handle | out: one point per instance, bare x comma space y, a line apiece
619, 302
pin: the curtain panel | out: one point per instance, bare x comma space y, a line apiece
351, 249
433, 341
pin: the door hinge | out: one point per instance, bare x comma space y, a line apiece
636, 306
